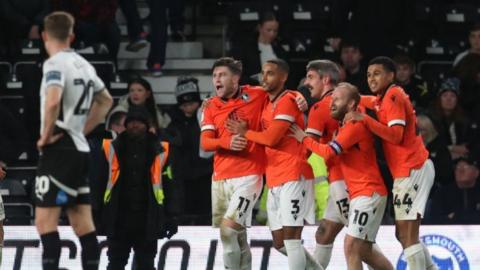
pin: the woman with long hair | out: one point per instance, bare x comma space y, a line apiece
140, 94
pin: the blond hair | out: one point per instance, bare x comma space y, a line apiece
59, 25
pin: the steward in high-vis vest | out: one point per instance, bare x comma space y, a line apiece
133, 211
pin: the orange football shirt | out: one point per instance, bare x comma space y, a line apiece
246, 106
395, 108
321, 123
354, 145
286, 161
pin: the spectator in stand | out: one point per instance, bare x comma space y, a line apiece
140, 94
351, 58
438, 151
460, 133
474, 40
134, 25
258, 50
158, 30
412, 83
459, 202
468, 71
440, 156
117, 122
95, 24
20, 19
13, 137
184, 131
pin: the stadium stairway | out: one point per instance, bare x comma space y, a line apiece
192, 57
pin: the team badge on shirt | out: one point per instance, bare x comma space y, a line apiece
245, 97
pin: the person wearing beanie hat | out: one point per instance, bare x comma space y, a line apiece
187, 90
135, 210
138, 114
459, 131
194, 184
450, 84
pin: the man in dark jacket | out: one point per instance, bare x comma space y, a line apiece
133, 211
184, 131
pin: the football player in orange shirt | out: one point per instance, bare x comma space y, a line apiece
354, 146
289, 176
321, 79
238, 164
406, 156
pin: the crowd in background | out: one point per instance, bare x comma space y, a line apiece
448, 111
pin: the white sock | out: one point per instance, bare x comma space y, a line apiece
428, 259
296, 254
415, 257
322, 254
231, 247
311, 263
245, 253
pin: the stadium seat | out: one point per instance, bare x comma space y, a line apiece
456, 19
18, 213
18, 209
16, 105
12, 187
5, 71
434, 71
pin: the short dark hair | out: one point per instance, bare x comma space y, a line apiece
116, 117
352, 91
475, 27
386, 62
59, 25
281, 64
325, 67
267, 16
350, 44
403, 59
235, 66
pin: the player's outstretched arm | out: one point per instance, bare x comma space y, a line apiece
53, 98
102, 102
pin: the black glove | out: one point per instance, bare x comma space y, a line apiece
171, 228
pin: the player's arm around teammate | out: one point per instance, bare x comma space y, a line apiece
354, 145
290, 196
406, 156
238, 165
321, 79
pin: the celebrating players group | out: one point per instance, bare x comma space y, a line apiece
254, 131
258, 131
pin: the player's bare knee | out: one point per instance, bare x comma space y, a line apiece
277, 244
226, 231
352, 246
322, 235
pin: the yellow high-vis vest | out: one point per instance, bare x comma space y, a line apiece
114, 171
